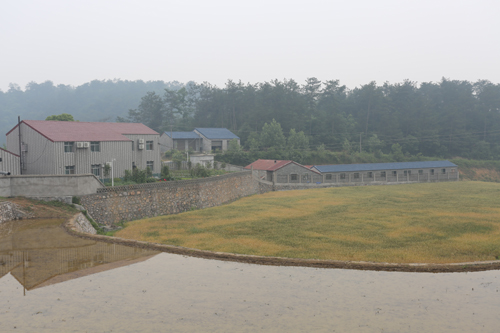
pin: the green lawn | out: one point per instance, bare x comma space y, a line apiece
434, 223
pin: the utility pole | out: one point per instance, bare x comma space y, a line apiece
360, 142
172, 136
20, 146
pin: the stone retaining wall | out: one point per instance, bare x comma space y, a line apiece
10, 211
126, 203
80, 223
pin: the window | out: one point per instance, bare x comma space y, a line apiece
305, 177
452, 170
294, 177
443, 171
95, 146
356, 175
370, 174
68, 147
382, 174
133, 165
407, 172
70, 170
342, 176
0, 159
420, 172
150, 165
96, 169
394, 173
329, 176
133, 145
149, 146
432, 172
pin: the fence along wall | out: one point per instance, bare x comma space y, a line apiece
126, 203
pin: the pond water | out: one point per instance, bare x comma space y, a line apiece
52, 282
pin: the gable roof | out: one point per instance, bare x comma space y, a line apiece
217, 133
276, 167
183, 135
273, 165
383, 166
86, 131
265, 164
9, 152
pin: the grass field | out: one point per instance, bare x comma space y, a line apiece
427, 222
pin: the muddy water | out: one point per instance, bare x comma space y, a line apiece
165, 292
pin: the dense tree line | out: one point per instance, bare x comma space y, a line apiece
445, 119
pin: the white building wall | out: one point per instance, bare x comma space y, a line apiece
39, 158
9, 162
140, 157
166, 143
45, 157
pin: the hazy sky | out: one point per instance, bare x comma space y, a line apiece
73, 42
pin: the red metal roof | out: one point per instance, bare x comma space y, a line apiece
9, 152
86, 131
265, 164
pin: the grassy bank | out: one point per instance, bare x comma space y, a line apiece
482, 170
435, 222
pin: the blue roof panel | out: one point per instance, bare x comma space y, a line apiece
183, 135
383, 166
217, 133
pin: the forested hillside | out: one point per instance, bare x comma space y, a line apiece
447, 119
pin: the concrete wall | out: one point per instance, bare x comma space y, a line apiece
113, 205
40, 186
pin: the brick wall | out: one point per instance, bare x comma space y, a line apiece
126, 203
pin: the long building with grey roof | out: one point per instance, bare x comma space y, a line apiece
421, 171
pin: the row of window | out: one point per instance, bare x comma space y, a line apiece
95, 146
383, 174
96, 168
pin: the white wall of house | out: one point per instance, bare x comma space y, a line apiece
9, 162
166, 143
40, 154
44, 157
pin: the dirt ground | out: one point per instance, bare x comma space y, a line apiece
41, 209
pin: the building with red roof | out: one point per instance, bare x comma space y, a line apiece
70, 147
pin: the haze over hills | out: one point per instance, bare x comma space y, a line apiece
92, 101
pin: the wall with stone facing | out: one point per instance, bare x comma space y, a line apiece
11, 211
126, 203
80, 223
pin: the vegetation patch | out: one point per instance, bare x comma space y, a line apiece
412, 223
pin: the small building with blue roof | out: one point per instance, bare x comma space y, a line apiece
216, 138
389, 172
198, 140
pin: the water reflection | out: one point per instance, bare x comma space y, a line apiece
172, 293
38, 253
